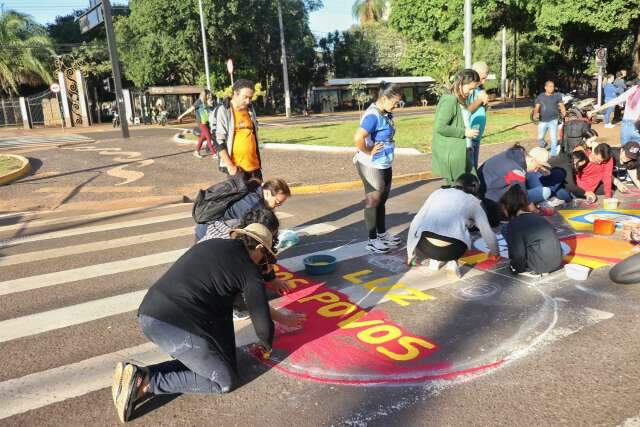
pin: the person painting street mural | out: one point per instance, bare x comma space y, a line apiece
374, 160
534, 247
440, 230
201, 109
630, 126
628, 271
450, 153
626, 163
597, 176
187, 313
548, 109
237, 133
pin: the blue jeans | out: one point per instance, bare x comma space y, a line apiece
199, 367
552, 127
629, 132
607, 114
475, 153
547, 185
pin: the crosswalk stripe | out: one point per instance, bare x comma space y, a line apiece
85, 217
42, 255
39, 323
44, 388
93, 229
90, 272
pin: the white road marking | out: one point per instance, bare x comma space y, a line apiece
42, 255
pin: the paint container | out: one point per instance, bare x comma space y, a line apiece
604, 226
611, 203
320, 264
547, 211
577, 271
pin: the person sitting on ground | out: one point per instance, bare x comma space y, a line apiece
534, 247
574, 131
271, 195
562, 177
597, 176
187, 313
440, 230
626, 163
508, 168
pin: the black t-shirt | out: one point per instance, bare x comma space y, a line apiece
533, 244
196, 294
549, 109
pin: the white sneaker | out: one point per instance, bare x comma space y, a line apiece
609, 126
453, 268
377, 246
389, 240
435, 265
197, 154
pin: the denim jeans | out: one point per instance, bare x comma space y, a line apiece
537, 183
608, 113
198, 366
629, 132
552, 127
475, 152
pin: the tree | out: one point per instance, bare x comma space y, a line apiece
359, 94
26, 55
367, 11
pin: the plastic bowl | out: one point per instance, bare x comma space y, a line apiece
577, 271
611, 203
320, 264
604, 226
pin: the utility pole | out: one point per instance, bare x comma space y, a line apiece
115, 65
204, 46
515, 66
503, 69
468, 33
287, 96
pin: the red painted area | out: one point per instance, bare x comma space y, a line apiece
352, 347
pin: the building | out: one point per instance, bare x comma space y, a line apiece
336, 95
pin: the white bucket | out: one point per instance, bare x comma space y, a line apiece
611, 203
577, 271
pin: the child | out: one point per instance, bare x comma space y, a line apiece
534, 248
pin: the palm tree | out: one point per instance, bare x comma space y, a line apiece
367, 11
25, 53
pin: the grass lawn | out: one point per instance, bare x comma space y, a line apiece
412, 132
8, 164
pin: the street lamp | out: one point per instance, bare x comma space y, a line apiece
468, 19
287, 96
204, 46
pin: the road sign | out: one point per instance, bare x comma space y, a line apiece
55, 87
92, 17
601, 57
230, 66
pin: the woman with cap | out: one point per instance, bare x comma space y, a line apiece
187, 313
625, 164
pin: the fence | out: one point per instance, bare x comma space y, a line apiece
10, 114
44, 110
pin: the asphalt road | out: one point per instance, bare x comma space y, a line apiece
487, 349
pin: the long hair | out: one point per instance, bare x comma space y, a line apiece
513, 201
204, 95
389, 90
464, 77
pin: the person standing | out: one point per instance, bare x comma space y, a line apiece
450, 154
187, 313
237, 133
630, 128
549, 108
477, 105
201, 109
373, 160
611, 91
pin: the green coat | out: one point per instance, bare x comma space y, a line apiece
449, 146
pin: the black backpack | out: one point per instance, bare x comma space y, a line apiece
211, 204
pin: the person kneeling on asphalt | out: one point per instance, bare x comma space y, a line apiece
187, 313
534, 247
626, 163
597, 176
440, 230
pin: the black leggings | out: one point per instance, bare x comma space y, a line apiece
377, 184
426, 249
627, 272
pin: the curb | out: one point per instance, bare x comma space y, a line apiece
331, 149
19, 173
353, 185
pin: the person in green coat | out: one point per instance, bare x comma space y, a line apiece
450, 157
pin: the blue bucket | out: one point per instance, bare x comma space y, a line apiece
320, 264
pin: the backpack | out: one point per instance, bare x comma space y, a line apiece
211, 204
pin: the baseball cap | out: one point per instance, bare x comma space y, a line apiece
540, 155
632, 150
